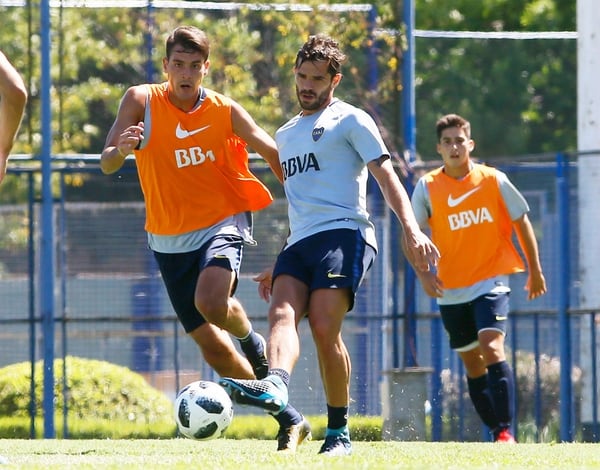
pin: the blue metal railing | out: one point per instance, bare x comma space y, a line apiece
566, 389
436, 356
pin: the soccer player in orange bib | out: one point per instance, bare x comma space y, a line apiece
190, 150
472, 210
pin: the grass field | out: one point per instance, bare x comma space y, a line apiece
229, 454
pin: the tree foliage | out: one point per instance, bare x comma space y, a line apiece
520, 95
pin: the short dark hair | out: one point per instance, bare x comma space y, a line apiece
452, 120
190, 38
320, 47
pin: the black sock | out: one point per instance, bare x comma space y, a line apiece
337, 417
501, 383
251, 343
288, 416
479, 393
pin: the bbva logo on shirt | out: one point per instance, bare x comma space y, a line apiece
300, 164
465, 219
193, 156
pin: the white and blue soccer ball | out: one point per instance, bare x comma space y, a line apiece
203, 410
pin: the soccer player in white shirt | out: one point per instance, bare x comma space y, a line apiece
326, 153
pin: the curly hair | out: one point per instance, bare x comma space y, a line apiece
320, 47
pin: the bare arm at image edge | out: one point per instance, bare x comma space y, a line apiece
13, 97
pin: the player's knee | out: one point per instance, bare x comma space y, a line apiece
282, 317
324, 332
212, 308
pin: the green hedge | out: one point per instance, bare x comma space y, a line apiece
107, 401
104, 400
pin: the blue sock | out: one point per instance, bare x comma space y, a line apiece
343, 431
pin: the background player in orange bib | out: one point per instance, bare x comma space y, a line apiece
472, 210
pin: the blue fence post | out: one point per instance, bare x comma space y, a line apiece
538, 377
437, 391
395, 260
63, 276
47, 226
149, 42
410, 133
31, 300
515, 401
564, 326
410, 320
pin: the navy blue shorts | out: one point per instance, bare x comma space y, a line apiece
180, 273
464, 321
333, 259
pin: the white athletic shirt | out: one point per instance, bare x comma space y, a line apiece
324, 157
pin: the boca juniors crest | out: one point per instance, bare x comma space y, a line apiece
317, 133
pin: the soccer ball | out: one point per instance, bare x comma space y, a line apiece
203, 410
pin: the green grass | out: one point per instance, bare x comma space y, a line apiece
229, 454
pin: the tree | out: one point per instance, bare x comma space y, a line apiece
519, 95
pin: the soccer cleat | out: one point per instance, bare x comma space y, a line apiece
336, 445
505, 437
270, 394
288, 439
258, 358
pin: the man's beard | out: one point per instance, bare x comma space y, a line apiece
319, 100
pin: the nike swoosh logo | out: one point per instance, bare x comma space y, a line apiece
455, 202
334, 276
500, 318
182, 133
